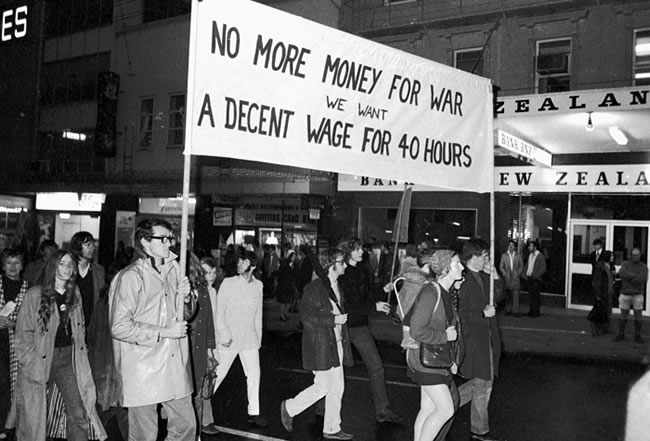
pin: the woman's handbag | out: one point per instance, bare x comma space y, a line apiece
209, 380
436, 356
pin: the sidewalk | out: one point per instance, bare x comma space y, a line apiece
558, 332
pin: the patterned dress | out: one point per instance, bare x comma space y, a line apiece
13, 360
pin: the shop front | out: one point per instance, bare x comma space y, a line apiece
566, 208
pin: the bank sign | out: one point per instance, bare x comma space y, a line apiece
627, 178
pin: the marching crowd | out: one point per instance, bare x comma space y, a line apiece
80, 348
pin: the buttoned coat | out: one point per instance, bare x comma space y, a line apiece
35, 350
480, 334
142, 301
511, 273
319, 352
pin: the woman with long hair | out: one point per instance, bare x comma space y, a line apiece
51, 348
432, 321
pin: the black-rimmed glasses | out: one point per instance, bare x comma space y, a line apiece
163, 239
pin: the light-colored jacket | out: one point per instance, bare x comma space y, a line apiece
35, 351
511, 275
239, 314
142, 303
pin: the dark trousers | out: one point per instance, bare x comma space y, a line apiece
63, 375
363, 340
534, 290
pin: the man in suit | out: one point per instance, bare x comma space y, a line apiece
511, 267
602, 281
535, 269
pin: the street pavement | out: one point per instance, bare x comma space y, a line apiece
557, 332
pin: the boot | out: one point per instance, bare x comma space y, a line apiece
621, 330
637, 331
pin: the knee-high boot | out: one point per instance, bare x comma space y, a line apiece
621, 326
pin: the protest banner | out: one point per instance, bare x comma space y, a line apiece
268, 86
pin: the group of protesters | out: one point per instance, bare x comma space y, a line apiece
80, 349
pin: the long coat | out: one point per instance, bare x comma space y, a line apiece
35, 351
202, 336
511, 275
319, 352
480, 334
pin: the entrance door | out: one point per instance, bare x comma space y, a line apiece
617, 236
583, 234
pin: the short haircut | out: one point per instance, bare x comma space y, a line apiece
144, 230
534, 243
350, 245
47, 243
597, 242
12, 252
474, 247
327, 257
512, 241
78, 239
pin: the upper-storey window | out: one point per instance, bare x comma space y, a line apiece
161, 9
176, 130
642, 57
74, 79
469, 60
69, 16
552, 66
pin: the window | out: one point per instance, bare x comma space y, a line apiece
642, 57
69, 153
161, 9
69, 16
176, 134
552, 66
469, 60
146, 123
74, 79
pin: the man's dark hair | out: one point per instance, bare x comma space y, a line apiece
474, 247
78, 239
327, 257
534, 243
251, 256
512, 241
144, 230
597, 242
46, 244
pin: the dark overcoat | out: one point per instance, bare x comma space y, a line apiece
319, 352
480, 334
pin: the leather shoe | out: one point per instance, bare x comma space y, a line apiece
484, 437
210, 429
388, 416
257, 421
338, 435
287, 420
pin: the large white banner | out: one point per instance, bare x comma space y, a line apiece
269, 86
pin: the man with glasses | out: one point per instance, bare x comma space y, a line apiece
91, 277
151, 347
325, 347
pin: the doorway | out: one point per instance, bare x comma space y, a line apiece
620, 237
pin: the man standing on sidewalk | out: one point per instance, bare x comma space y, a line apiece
356, 288
481, 336
511, 267
634, 275
535, 269
91, 277
325, 347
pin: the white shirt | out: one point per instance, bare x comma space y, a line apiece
531, 263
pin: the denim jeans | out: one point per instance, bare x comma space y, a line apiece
181, 422
362, 339
477, 391
62, 373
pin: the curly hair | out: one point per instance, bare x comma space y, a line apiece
195, 272
49, 293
